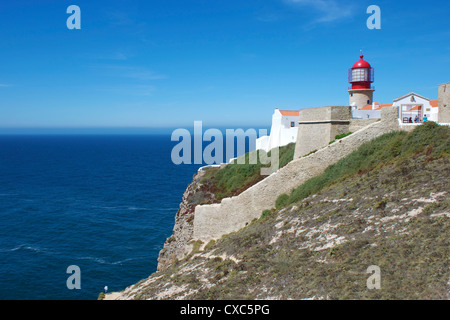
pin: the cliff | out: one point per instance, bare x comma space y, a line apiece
385, 204
178, 245
208, 187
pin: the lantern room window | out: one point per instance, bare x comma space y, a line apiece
361, 74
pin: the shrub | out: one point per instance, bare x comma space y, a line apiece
282, 201
266, 213
340, 136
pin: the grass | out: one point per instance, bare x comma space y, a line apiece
392, 148
235, 178
340, 136
266, 213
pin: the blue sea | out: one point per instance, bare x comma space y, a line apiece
105, 203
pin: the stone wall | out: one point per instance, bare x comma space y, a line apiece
318, 126
366, 114
311, 137
356, 124
444, 103
213, 221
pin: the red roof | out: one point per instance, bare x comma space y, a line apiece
377, 107
361, 63
290, 113
367, 107
434, 103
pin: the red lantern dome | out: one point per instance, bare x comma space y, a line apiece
361, 75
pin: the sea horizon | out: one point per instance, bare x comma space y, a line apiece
119, 130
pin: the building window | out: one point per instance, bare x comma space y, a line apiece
292, 124
368, 101
411, 113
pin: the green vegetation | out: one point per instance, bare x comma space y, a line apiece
210, 244
282, 201
266, 213
340, 136
314, 151
195, 248
235, 178
393, 148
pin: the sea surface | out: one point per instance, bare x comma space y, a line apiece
105, 203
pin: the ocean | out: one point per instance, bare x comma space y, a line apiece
104, 203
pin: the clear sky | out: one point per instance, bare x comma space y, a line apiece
168, 63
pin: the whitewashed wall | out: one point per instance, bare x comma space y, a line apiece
281, 132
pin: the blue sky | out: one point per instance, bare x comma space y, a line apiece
227, 63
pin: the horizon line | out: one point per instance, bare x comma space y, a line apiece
116, 130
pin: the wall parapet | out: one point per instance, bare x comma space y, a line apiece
325, 121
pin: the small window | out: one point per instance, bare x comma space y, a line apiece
351, 94
368, 101
292, 124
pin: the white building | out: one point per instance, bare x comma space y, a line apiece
413, 107
282, 132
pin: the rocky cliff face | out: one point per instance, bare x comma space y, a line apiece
178, 245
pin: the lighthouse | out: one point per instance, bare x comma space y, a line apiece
361, 77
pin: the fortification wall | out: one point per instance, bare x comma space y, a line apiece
214, 220
318, 126
356, 124
444, 103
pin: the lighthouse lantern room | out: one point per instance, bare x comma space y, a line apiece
361, 77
